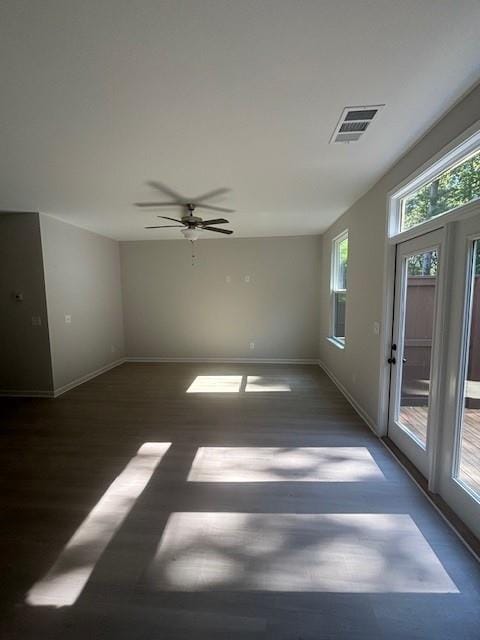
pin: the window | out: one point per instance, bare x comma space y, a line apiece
339, 287
449, 182
449, 190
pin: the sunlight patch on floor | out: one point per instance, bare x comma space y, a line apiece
340, 553
282, 464
215, 384
265, 384
237, 384
65, 581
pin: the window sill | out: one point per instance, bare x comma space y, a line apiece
337, 342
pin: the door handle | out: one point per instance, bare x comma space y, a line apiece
392, 361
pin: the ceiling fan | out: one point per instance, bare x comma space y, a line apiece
189, 223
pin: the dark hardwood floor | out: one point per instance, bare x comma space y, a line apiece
263, 507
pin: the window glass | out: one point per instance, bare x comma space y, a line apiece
339, 286
468, 453
415, 362
453, 188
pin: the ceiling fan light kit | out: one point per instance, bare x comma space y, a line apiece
191, 234
193, 224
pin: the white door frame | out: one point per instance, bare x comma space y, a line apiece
468, 139
452, 490
450, 223
423, 458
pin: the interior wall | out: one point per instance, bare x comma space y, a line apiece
174, 309
82, 274
357, 367
25, 364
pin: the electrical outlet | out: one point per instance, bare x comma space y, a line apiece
68, 319
252, 346
36, 321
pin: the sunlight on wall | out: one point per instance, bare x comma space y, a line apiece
237, 384
277, 464
65, 581
341, 553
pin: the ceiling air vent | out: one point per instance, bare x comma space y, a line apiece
353, 123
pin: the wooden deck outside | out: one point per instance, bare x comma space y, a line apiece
415, 419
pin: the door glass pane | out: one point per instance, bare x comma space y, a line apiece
468, 466
418, 321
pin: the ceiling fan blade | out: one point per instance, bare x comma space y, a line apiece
216, 221
158, 204
226, 231
166, 190
166, 226
210, 206
173, 219
211, 194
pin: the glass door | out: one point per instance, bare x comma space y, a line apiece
413, 349
459, 468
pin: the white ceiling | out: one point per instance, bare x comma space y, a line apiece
99, 96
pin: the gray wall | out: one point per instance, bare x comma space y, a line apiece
25, 364
82, 273
175, 310
357, 367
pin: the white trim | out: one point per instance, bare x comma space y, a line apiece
93, 374
224, 360
28, 393
350, 399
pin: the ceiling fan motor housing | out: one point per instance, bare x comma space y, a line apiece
191, 220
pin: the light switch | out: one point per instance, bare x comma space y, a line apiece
247, 278
252, 346
36, 321
228, 279
376, 328
68, 319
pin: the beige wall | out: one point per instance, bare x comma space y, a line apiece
175, 310
357, 367
25, 364
82, 273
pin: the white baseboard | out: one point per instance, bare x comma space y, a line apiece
26, 393
225, 360
93, 374
358, 408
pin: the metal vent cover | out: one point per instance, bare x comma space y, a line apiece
353, 123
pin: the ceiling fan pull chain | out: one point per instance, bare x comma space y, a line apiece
193, 253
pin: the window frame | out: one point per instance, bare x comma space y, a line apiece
338, 341
449, 157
